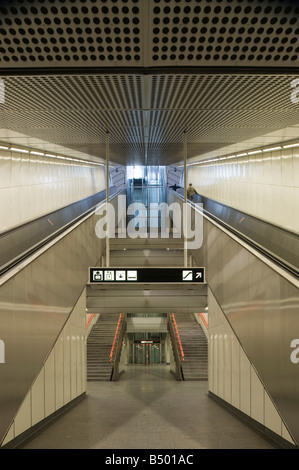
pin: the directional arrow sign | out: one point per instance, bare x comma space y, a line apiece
146, 275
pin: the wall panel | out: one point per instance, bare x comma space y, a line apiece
259, 304
259, 185
32, 186
36, 308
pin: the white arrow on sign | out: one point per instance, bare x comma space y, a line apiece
198, 275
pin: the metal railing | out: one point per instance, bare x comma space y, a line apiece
177, 347
274, 242
117, 346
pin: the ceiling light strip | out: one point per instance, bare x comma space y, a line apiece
34, 152
253, 152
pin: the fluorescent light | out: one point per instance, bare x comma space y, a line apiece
222, 158
49, 155
58, 156
255, 151
291, 145
273, 148
231, 156
241, 154
36, 153
19, 150
5, 148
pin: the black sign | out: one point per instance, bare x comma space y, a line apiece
144, 275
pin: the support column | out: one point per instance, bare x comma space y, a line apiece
107, 201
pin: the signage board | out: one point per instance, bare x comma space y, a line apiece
146, 275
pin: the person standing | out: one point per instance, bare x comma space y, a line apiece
191, 191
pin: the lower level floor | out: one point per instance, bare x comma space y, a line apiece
147, 409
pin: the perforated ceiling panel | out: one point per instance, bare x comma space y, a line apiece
224, 32
148, 33
146, 115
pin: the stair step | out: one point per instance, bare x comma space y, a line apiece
99, 344
195, 347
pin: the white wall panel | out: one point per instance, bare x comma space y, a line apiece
59, 372
211, 361
67, 364
258, 184
244, 383
272, 419
50, 384
220, 367
62, 378
73, 362
235, 401
38, 399
287, 167
232, 377
34, 185
5, 209
227, 366
295, 169
256, 397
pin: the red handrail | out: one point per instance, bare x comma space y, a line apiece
203, 319
178, 337
89, 319
115, 337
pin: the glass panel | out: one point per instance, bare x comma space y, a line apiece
155, 353
139, 353
146, 353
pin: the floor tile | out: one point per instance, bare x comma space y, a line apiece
147, 409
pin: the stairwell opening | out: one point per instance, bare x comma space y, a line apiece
146, 342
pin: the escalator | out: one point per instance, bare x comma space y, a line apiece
253, 296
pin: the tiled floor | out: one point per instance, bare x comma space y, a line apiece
148, 409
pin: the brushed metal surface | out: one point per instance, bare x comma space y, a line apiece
278, 241
34, 305
18, 242
262, 308
146, 298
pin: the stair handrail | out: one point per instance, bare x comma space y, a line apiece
117, 344
91, 316
178, 337
177, 346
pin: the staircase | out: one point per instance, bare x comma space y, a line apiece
195, 347
99, 344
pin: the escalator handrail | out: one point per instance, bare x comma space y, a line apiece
261, 249
33, 249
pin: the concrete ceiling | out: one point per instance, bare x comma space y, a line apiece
145, 72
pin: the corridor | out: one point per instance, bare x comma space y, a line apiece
148, 409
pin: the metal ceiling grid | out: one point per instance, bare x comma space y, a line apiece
148, 33
147, 115
194, 91
59, 92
